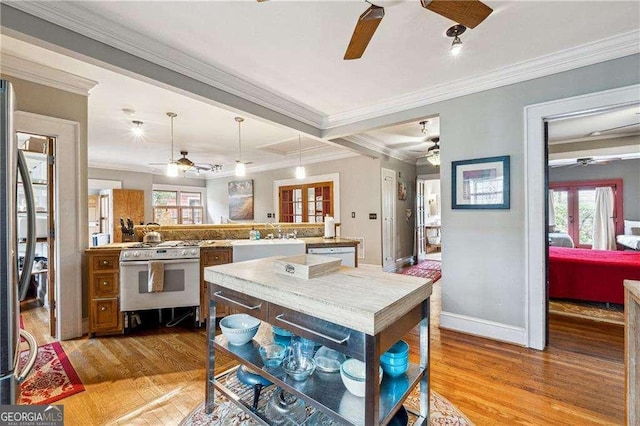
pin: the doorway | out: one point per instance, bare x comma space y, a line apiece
39, 152
535, 190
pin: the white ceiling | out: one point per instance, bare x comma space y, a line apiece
293, 50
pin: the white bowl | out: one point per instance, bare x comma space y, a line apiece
352, 373
239, 328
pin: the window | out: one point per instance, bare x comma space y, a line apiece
574, 207
306, 203
173, 207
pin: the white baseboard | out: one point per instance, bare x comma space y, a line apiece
483, 328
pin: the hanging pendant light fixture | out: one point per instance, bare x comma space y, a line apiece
300, 172
172, 167
240, 166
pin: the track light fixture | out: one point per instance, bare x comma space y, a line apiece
456, 45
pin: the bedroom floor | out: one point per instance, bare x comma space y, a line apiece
612, 313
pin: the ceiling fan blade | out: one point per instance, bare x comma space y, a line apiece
469, 13
363, 32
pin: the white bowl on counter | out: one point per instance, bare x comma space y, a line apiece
352, 373
239, 328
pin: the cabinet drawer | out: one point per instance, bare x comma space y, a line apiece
104, 262
106, 285
216, 257
343, 339
239, 302
105, 315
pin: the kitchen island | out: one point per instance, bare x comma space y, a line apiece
360, 312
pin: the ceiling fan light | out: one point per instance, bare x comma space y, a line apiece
241, 170
172, 169
434, 159
137, 129
456, 46
300, 172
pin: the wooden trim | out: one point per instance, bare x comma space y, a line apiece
305, 200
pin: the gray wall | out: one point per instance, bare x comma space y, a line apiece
143, 181
483, 252
627, 170
360, 183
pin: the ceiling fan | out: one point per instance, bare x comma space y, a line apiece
469, 13
183, 164
586, 161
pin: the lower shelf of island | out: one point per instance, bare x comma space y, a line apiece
325, 391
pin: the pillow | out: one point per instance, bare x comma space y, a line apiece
635, 231
628, 224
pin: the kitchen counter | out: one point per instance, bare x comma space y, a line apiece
309, 241
363, 299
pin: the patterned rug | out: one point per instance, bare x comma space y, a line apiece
52, 377
427, 269
225, 412
613, 314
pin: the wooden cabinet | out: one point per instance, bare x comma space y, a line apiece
104, 293
210, 256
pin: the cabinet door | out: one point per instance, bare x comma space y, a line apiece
127, 203
105, 315
106, 285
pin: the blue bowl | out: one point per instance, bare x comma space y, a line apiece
399, 350
394, 370
393, 361
281, 331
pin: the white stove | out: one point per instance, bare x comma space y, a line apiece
181, 275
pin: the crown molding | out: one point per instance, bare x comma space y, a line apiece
42, 74
83, 21
587, 54
379, 147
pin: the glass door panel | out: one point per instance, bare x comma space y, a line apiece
561, 210
586, 209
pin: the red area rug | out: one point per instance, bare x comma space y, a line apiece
427, 269
52, 378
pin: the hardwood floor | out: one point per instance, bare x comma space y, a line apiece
157, 377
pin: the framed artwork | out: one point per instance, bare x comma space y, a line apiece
402, 191
481, 183
241, 200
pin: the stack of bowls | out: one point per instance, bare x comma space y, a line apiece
395, 361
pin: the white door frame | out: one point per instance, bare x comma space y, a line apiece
388, 242
69, 212
534, 187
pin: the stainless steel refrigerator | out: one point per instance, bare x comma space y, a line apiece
12, 277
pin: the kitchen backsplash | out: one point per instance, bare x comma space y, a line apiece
230, 231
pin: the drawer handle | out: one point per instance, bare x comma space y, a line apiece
105, 283
103, 308
219, 294
105, 262
324, 336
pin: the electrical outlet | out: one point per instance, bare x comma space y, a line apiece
268, 215
353, 215
373, 216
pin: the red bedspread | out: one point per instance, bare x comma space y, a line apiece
594, 275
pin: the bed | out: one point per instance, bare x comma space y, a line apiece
593, 275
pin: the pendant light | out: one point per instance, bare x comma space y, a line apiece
456, 45
240, 167
172, 167
300, 172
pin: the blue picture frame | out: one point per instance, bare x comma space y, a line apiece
481, 183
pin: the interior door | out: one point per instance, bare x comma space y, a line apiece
420, 248
388, 219
51, 275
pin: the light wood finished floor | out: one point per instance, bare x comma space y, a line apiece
158, 377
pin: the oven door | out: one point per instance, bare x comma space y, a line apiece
181, 285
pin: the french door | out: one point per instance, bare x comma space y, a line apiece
574, 207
